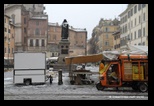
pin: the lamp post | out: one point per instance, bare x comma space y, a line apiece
8, 52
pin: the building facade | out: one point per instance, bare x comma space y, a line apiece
18, 12
37, 33
78, 41
102, 38
116, 42
134, 25
9, 35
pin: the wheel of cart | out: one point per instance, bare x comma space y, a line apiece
27, 81
143, 87
72, 82
99, 86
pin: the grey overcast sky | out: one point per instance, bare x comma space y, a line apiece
83, 15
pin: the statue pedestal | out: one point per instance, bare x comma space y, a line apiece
64, 52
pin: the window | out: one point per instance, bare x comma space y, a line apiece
139, 19
131, 36
9, 31
135, 9
139, 33
37, 22
143, 31
139, 7
24, 20
128, 38
24, 39
135, 21
121, 20
8, 50
107, 36
131, 24
37, 42
12, 50
107, 43
42, 42
5, 20
135, 35
34, 6
106, 29
8, 39
54, 37
54, 29
114, 37
132, 12
125, 28
143, 5
13, 18
37, 31
128, 14
114, 46
125, 18
31, 42
5, 50
25, 30
5, 29
144, 17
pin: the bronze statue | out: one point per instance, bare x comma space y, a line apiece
64, 34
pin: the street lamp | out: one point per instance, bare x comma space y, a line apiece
8, 52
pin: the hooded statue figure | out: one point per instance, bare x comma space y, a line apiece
64, 34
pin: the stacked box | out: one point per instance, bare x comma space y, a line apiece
128, 71
136, 73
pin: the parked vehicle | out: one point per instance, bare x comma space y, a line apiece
29, 68
131, 70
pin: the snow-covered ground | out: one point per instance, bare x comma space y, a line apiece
66, 91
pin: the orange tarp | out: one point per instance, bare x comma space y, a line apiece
83, 59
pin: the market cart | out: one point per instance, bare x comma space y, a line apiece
81, 76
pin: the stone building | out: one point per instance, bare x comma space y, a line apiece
37, 33
102, 38
116, 41
9, 35
134, 25
19, 13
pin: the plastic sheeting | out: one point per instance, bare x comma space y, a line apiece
133, 49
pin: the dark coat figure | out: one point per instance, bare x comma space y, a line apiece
64, 34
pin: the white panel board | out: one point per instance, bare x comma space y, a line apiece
29, 72
34, 78
29, 61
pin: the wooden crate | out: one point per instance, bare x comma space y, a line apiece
127, 68
136, 74
127, 76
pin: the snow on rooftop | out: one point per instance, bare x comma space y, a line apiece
39, 18
78, 29
53, 24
